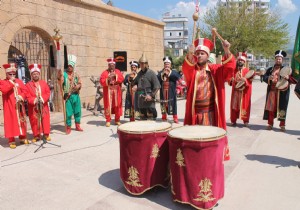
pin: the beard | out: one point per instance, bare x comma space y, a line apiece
202, 63
240, 64
35, 79
277, 64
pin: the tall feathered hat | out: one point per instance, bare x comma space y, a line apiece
212, 58
35, 68
242, 56
203, 44
143, 59
72, 59
134, 63
280, 53
10, 67
111, 61
167, 59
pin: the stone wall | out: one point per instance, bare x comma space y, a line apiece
91, 30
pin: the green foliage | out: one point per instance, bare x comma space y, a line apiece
257, 31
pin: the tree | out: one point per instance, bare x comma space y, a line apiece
254, 30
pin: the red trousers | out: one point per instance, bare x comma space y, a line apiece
271, 119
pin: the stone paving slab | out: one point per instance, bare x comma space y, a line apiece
84, 172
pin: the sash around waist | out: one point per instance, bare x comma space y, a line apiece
204, 105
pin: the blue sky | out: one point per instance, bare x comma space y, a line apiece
288, 9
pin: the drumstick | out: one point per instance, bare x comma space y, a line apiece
214, 31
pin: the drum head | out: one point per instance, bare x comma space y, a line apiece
282, 84
249, 74
197, 133
144, 127
240, 84
285, 71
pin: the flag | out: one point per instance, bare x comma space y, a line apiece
295, 65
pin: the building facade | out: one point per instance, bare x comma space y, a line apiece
253, 4
91, 30
175, 33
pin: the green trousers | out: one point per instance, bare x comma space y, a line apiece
73, 107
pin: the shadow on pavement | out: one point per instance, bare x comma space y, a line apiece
55, 128
274, 160
293, 132
111, 179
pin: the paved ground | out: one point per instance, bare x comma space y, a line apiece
84, 172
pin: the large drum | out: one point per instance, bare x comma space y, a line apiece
196, 164
144, 155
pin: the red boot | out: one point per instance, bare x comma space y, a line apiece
175, 118
78, 128
68, 130
164, 117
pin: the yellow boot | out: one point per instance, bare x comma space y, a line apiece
35, 139
12, 145
24, 141
48, 138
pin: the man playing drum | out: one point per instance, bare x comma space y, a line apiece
278, 79
205, 104
111, 80
240, 105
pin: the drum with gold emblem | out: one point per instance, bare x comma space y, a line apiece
196, 165
241, 84
283, 84
144, 155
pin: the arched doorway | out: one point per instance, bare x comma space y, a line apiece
34, 44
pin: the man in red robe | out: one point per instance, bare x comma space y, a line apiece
111, 80
38, 94
205, 102
240, 105
13, 95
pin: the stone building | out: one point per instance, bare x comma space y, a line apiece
91, 30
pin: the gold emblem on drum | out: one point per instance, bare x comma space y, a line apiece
155, 151
180, 158
133, 178
205, 194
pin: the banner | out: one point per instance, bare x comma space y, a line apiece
295, 65
121, 60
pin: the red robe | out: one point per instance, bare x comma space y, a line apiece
243, 112
31, 93
11, 123
220, 74
112, 95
